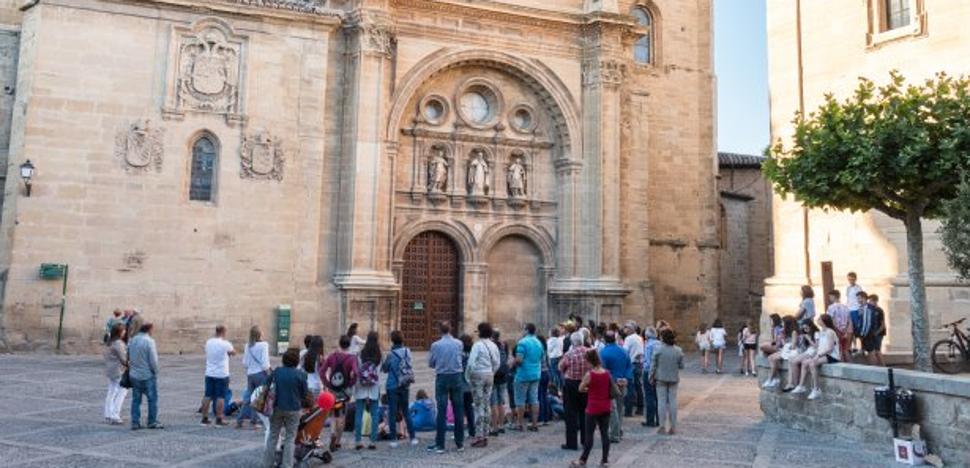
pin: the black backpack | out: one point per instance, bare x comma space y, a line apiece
502, 374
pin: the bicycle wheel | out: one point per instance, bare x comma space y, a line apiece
948, 357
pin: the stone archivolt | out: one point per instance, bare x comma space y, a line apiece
140, 146
261, 157
207, 71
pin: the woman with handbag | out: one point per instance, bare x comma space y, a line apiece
667, 361
256, 360
600, 390
115, 363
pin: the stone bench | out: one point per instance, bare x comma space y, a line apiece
847, 407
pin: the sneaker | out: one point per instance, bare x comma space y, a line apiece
435, 448
393, 445
799, 389
414, 441
136, 427
206, 422
460, 449
156, 426
770, 383
815, 394
221, 423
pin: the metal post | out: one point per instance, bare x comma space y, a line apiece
60, 323
892, 398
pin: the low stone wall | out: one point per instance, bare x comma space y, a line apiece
847, 408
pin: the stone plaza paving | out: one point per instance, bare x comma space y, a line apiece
50, 416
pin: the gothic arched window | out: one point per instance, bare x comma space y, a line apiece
643, 47
204, 158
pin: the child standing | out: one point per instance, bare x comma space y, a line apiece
718, 337
749, 340
703, 340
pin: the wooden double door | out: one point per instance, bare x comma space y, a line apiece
430, 285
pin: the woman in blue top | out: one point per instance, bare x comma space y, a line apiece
400, 376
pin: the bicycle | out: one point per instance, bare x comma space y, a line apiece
952, 355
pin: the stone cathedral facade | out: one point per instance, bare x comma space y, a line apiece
386, 162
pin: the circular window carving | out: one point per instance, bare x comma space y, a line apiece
523, 118
434, 109
478, 104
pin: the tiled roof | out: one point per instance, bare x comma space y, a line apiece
736, 160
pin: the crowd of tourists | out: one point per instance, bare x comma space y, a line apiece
587, 375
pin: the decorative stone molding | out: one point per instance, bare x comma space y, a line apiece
374, 33
606, 72
206, 63
261, 157
314, 7
140, 146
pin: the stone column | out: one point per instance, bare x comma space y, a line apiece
366, 173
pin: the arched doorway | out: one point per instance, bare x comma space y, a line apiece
429, 287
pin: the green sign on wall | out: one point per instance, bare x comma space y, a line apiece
283, 317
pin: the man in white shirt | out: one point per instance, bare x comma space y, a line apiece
852, 302
633, 345
217, 352
554, 351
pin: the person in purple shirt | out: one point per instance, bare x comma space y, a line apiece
650, 344
445, 358
617, 361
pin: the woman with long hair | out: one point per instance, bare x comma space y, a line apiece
786, 349
312, 363
256, 361
806, 308
826, 352
807, 336
596, 385
367, 392
356, 342
115, 363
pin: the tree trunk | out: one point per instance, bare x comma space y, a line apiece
917, 293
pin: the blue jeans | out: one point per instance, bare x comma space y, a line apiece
397, 400
252, 381
149, 389
634, 391
554, 375
373, 407
650, 402
448, 387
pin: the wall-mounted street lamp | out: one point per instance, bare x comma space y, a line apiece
26, 172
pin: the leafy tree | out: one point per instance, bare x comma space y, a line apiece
898, 149
955, 231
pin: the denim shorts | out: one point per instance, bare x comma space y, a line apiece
499, 395
216, 388
526, 393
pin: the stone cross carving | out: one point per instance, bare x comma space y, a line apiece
140, 146
478, 173
261, 157
437, 170
516, 178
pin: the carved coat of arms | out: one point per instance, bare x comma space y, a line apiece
140, 146
207, 71
262, 157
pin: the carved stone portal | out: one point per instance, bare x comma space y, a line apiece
207, 69
262, 157
140, 146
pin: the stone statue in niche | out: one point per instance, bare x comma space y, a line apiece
516, 178
437, 170
140, 146
261, 157
478, 174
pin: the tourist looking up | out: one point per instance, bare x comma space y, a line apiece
143, 371
633, 345
573, 366
877, 332
356, 342
615, 360
339, 375
718, 337
528, 356
826, 352
483, 362
115, 363
400, 375
367, 391
806, 308
599, 407
217, 352
499, 397
291, 395
667, 361
256, 361
445, 358
649, 389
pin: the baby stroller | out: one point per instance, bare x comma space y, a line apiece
307, 447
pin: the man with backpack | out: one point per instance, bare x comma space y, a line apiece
339, 375
445, 358
400, 376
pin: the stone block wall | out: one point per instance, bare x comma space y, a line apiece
847, 408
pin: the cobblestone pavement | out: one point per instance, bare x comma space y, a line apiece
50, 416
